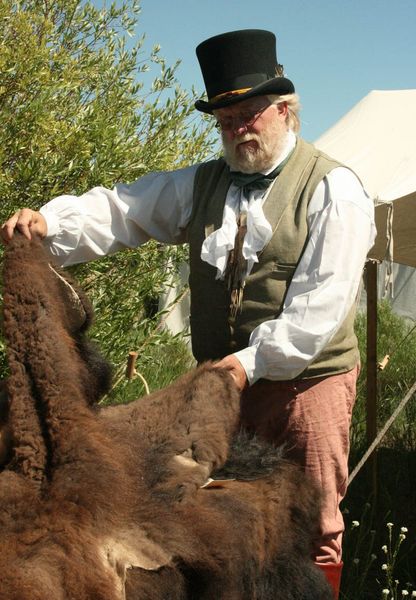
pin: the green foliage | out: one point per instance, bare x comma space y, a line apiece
391, 557
395, 339
75, 114
359, 555
377, 560
125, 290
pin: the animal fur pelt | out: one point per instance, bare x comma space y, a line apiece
109, 504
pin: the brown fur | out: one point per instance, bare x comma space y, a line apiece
107, 504
5, 433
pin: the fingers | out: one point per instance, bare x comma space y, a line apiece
27, 221
8, 227
236, 370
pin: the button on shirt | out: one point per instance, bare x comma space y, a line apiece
158, 205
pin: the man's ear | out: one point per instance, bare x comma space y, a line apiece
282, 109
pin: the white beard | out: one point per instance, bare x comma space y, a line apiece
261, 155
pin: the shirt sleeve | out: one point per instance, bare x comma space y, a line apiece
102, 221
324, 285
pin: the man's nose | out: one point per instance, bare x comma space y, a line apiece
239, 127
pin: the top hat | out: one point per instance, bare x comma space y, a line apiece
239, 65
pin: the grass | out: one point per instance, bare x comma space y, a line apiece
364, 576
158, 366
380, 507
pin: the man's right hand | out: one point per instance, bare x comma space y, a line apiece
27, 221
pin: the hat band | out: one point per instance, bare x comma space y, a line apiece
229, 94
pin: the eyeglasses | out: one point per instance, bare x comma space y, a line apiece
244, 120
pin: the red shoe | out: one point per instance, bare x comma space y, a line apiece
332, 572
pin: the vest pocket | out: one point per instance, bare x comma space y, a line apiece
283, 271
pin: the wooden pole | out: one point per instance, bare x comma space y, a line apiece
371, 418
131, 365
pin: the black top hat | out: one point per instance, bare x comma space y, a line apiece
238, 65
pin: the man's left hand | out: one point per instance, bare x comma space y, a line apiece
236, 370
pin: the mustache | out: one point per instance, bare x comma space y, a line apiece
245, 137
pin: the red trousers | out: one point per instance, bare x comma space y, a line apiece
312, 418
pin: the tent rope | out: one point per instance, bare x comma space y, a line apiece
389, 258
382, 433
381, 365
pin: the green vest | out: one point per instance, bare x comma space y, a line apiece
213, 334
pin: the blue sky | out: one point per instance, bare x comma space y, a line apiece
335, 52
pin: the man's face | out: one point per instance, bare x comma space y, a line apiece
253, 133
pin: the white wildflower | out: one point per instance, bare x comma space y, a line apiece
384, 567
404, 529
384, 548
390, 525
405, 593
355, 524
385, 592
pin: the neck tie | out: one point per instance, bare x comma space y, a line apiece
257, 181
235, 271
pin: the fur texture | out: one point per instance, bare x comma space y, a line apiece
107, 504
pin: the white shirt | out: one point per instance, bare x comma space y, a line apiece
217, 245
158, 205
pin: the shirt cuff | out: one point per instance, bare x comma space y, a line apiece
252, 364
52, 222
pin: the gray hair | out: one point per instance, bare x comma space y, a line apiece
293, 105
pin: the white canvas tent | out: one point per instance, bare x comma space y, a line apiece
377, 139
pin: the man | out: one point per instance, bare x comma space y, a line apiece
278, 236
